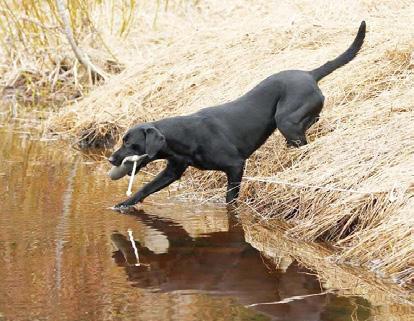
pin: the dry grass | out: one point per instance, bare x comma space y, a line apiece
37, 65
353, 184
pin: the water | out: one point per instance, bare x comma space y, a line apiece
65, 256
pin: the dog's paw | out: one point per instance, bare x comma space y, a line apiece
127, 206
123, 208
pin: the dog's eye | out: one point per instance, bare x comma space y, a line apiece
125, 142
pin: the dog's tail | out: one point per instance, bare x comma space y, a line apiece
344, 58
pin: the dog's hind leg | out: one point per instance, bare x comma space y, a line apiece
234, 178
170, 174
294, 135
293, 120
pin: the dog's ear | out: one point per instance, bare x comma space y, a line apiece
154, 141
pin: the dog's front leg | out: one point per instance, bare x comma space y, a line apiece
170, 174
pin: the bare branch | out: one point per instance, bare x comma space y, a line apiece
80, 55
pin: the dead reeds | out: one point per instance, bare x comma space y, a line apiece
39, 65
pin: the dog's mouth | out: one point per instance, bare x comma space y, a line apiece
127, 166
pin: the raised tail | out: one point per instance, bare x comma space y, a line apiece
344, 58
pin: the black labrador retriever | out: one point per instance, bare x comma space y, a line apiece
223, 137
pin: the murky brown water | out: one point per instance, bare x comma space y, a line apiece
65, 256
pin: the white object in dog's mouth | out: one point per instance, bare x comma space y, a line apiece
117, 172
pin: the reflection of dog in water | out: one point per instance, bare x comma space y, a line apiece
220, 263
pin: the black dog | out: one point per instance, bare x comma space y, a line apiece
223, 137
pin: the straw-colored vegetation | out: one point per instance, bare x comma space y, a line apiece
38, 66
354, 183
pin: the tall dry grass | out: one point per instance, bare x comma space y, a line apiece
37, 64
353, 184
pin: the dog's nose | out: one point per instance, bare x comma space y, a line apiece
111, 160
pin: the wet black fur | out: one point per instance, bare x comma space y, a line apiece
223, 137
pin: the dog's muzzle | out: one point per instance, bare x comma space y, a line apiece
120, 171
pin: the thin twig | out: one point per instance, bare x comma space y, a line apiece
288, 300
328, 188
80, 55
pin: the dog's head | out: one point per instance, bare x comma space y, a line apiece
139, 140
